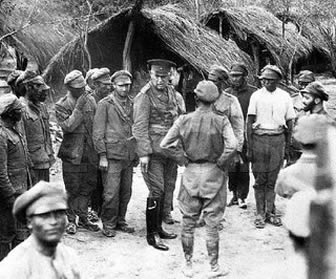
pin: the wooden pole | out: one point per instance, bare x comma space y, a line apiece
127, 63
322, 250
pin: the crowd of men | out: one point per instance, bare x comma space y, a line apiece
106, 134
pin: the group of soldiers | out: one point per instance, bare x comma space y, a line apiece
106, 134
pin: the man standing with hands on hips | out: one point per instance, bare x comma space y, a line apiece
155, 110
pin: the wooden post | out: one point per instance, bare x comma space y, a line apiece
322, 250
220, 27
127, 63
256, 58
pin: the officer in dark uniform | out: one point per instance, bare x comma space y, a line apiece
155, 110
75, 113
13, 172
239, 177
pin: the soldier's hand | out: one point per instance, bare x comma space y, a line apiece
81, 101
103, 163
144, 161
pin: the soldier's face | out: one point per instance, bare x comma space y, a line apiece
122, 89
103, 88
308, 101
43, 95
159, 81
77, 92
48, 228
302, 85
270, 84
237, 80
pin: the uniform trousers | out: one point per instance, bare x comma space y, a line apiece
239, 179
80, 182
203, 190
117, 182
161, 178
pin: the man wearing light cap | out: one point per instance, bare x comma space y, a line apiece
98, 80
269, 128
115, 145
305, 77
209, 145
43, 209
36, 124
75, 113
14, 171
155, 110
239, 175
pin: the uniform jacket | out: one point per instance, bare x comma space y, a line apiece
13, 163
153, 116
112, 129
228, 105
36, 124
77, 129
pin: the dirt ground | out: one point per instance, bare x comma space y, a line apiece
242, 247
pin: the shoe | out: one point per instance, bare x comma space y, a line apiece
233, 201
125, 228
220, 227
187, 270
88, 226
200, 223
155, 241
166, 235
109, 232
92, 216
168, 219
218, 271
273, 220
242, 204
259, 222
71, 228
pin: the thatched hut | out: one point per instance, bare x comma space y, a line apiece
129, 39
260, 34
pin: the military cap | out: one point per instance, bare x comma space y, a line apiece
33, 78
42, 198
75, 79
310, 128
238, 69
122, 77
297, 216
88, 76
271, 72
316, 88
13, 76
161, 66
9, 102
206, 91
102, 75
306, 76
218, 72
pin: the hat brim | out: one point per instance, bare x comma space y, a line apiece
236, 73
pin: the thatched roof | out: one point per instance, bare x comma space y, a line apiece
255, 24
165, 32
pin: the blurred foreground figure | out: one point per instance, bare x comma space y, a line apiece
209, 143
43, 209
14, 172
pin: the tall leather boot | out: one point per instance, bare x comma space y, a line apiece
162, 233
213, 252
4, 249
188, 248
153, 238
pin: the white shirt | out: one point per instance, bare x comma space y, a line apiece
272, 109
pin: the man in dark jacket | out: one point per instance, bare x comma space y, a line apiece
115, 145
239, 176
13, 172
36, 125
75, 113
155, 110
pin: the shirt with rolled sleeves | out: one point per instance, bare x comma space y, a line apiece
112, 128
77, 129
154, 113
205, 137
228, 105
